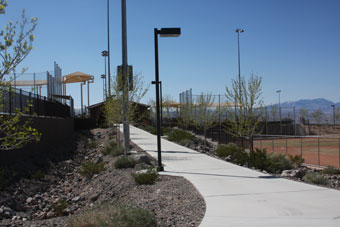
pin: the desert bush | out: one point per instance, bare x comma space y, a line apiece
331, 170
315, 178
259, 159
278, 163
125, 162
113, 149
59, 207
177, 135
236, 154
113, 216
6, 176
186, 142
92, 144
37, 175
89, 169
296, 160
146, 176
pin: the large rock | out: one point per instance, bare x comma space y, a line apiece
142, 158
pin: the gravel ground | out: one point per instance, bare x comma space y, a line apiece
32, 202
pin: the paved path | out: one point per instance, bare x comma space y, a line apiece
237, 196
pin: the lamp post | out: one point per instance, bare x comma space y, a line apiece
105, 54
108, 48
103, 76
333, 115
163, 32
239, 30
279, 92
161, 102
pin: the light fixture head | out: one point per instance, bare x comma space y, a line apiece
105, 53
169, 32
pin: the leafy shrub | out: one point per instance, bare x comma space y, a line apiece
259, 159
92, 144
6, 176
278, 163
113, 216
113, 149
125, 162
186, 142
315, 178
236, 154
148, 176
59, 207
37, 175
177, 135
296, 160
330, 170
91, 168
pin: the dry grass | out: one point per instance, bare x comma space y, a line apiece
113, 216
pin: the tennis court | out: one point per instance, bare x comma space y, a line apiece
316, 150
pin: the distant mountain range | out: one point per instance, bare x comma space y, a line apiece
312, 104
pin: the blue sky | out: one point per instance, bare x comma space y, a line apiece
293, 44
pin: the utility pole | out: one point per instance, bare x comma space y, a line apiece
108, 48
126, 128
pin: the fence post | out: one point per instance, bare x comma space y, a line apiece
339, 152
294, 122
10, 100
30, 95
261, 144
318, 151
273, 145
301, 147
21, 100
219, 118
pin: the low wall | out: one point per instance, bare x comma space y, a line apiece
55, 133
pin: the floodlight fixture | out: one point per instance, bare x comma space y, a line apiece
169, 32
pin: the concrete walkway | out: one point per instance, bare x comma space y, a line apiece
237, 196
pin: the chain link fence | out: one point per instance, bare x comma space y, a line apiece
315, 150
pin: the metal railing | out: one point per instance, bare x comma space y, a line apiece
15, 100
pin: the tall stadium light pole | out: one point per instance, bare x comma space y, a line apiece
279, 92
333, 115
105, 53
108, 48
238, 30
163, 32
103, 76
126, 129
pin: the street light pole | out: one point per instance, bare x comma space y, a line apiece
126, 128
103, 76
238, 30
279, 92
108, 49
163, 32
333, 115
105, 54
161, 99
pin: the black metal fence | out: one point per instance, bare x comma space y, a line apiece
15, 100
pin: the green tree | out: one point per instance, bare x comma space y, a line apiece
205, 113
317, 115
273, 110
303, 115
113, 108
245, 118
336, 114
15, 45
186, 118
